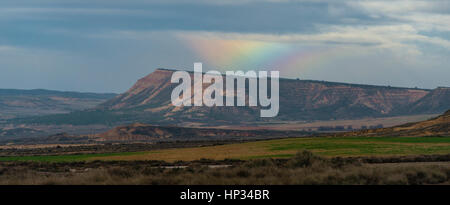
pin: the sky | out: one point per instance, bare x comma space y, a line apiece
107, 45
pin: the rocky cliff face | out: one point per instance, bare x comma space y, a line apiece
299, 100
436, 101
154, 88
323, 100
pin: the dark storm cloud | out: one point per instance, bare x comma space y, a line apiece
84, 45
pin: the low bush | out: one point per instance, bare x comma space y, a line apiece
303, 168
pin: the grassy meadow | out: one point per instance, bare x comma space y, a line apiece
279, 148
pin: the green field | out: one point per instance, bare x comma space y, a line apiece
281, 148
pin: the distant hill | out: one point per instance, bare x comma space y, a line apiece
436, 101
23, 103
148, 101
299, 100
438, 126
144, 132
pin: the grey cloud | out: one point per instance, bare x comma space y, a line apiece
88, 45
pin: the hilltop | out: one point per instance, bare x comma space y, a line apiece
299, 100
148, 101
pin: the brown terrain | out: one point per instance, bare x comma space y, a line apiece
299, 100
143, 132
437, 99
138, 133
305, 105
438, 126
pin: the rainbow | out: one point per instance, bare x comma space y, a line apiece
291, 59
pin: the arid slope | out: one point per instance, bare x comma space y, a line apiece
299, 100
439, 126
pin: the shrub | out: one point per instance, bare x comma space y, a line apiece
120, 172
260, 163
243, 173
304, 159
